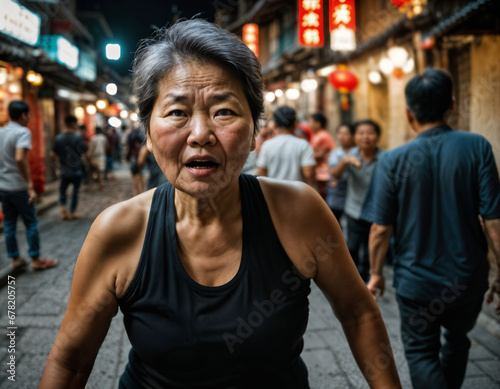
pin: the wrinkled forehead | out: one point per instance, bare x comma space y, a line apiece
195, 77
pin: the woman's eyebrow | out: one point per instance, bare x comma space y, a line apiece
223, 96
174, 98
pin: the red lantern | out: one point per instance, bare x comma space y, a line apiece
345, 82
400, 3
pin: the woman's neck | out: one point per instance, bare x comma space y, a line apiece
202, 212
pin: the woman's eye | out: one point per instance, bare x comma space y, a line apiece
224, 112
176, 113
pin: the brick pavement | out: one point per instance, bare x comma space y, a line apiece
42, 297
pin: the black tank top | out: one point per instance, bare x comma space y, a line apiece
246, 333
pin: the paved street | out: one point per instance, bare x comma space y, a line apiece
41, 299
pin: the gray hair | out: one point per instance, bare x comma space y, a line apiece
194, 40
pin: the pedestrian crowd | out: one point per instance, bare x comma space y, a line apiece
431, 207
215, 244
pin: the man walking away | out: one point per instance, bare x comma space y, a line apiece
16, 187
285, 156
69, 146
430, 192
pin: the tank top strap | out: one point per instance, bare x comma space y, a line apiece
254, 204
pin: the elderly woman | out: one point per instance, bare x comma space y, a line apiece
211, 270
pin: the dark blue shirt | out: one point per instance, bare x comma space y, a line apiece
70, 147
432, 191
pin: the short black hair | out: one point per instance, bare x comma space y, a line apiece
320, 118
349, 126
284, 117
429, 95
98, 130
17, 108
373, 123
69, 120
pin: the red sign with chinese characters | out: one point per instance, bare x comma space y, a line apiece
310, 23
342, 15
251, 37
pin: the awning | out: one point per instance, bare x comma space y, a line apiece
458, 17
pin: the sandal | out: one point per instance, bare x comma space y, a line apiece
21, 262
45, 263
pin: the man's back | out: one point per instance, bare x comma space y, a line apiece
12, 136
284, 156
70, 146
440, 182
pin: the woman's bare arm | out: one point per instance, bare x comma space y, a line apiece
314, 242
104, 269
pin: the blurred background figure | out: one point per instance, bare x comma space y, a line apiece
97, 155
148, 160
336, 190
322, 144
303, 131
266, 132
124, 135
68, 148
285, 156
358, 167
82, 130
135, 142
111, 147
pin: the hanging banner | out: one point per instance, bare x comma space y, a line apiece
310, 23
251, 37
342, 14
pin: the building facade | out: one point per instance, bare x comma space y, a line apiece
459, 36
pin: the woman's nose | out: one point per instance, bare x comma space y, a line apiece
202, 132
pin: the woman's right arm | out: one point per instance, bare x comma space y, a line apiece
102, 274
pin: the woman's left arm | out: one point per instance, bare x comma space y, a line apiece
313, 240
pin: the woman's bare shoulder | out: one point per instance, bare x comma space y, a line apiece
112, 249
123, 220
300, 217
290, 198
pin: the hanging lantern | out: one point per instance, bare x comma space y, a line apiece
344, 81
400, 3
410, 7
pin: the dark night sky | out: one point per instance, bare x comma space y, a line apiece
132, 20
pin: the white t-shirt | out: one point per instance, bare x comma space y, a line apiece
13, 136
284, 156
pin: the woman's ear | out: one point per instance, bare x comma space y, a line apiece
149, 144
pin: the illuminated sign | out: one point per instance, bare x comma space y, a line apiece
342, 16
61, 50
310, 23
251, 37
87, 69
19, 22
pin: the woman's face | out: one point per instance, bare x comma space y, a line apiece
366, 137
201, 128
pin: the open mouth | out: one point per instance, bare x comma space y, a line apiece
201, 164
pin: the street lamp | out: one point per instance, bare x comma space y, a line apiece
101, 104
270, 96
91, 109
113, 51
111, 89
292, 94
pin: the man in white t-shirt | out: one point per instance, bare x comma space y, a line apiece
285, 156
16, 187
